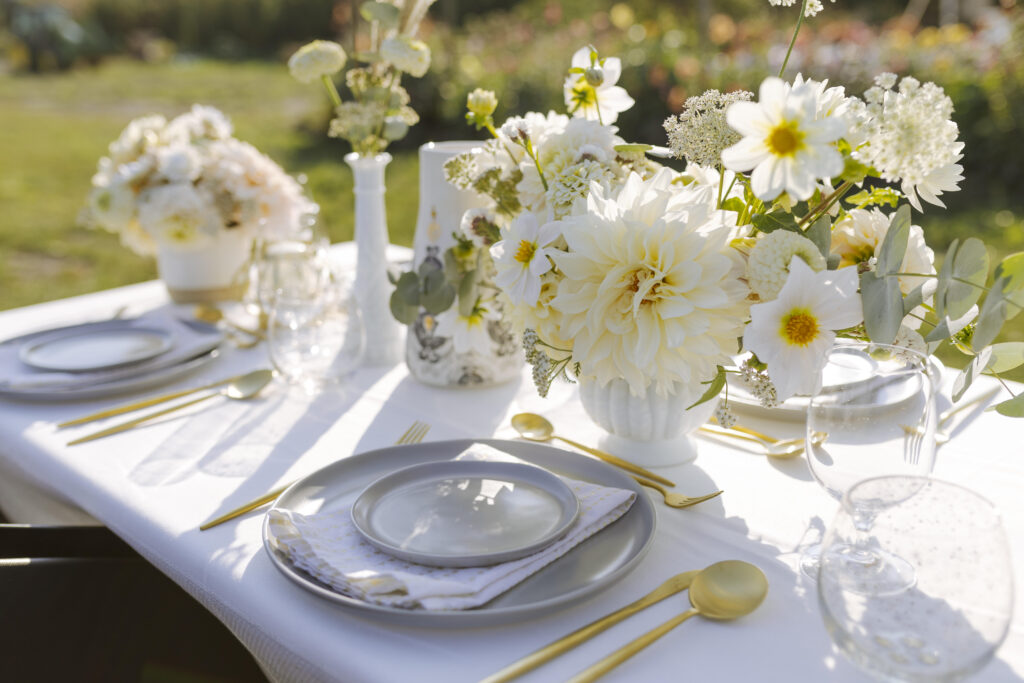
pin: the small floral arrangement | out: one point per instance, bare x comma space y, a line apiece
378, 111
181, 183
790, 226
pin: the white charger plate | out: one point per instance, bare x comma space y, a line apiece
465, 513
584, 571
98, 348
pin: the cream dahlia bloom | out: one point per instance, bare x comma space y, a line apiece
593, 94
314, 60
787, 142
650, 292
793, 333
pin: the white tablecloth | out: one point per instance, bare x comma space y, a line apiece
153, 486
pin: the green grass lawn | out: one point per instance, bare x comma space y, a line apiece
54, 128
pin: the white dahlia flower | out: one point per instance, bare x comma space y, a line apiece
648, 294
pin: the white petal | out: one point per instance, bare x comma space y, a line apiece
769, 179
745, 154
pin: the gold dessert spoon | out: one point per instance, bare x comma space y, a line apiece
725, 590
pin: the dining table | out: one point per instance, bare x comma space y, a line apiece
156, 484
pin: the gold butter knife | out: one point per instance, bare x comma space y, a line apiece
677, 583
138, 405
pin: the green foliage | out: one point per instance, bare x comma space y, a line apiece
715, 386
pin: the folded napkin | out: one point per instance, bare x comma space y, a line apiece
188, 342
328, 547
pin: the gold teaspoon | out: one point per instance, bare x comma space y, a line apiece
725, 590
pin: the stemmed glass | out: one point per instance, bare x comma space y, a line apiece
951, 619
874, 415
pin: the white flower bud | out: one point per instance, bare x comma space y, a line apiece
314, 60
594, 76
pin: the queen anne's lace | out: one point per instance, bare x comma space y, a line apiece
700, 133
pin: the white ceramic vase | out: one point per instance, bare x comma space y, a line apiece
649, 430
218, 270
385, 336
431, 351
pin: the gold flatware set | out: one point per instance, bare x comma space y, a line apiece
722, 591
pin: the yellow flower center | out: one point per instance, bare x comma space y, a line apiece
524, 254
786, 139
583, 95
800, 327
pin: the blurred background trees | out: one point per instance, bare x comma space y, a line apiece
74, 72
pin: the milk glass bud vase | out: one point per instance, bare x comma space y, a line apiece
385, 336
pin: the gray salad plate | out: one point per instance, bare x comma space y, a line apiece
584, 571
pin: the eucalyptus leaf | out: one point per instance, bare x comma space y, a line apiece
439, 300
894, 246
1006, 356
402, 310
883, 306
432, 281
1011, 268
832, 261
428, 266
820, 233
408, 288
715, 386
970, 264
940, 333
469, 293
385, 14
775, 220
1013, 407
967, 376
914, 299
944, 278
994, 313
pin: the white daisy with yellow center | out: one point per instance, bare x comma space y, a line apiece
787, 143
521, 258
605, 100
793, 333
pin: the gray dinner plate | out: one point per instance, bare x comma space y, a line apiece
465, 513
584, 571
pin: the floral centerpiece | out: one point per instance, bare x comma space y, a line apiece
189, 192
375, 113
790, 226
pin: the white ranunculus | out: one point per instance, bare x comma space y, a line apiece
787, 143
178, 214
137, 138
178, 163
859, 235
649, 293
112, 206
407, 54
317, 59
202, 122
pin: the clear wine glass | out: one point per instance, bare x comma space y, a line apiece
315, 340
874, 415
950, 620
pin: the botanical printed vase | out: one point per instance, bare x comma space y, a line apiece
434, 353
385, 336
215, 271
649, 430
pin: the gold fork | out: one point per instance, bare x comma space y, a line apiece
414, 434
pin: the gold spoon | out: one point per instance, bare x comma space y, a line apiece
725, 590
213, 315
677, 500
536, 427
240, 389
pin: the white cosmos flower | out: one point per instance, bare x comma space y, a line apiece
793, 333
651, 294
468, 332
603, 102
786, 143
521, 258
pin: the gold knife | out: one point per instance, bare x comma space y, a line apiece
129, 407
677, 583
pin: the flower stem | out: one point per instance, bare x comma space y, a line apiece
826, 204
721, 184
332, 92
796, 31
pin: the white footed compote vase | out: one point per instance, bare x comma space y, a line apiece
651, 430
385, 337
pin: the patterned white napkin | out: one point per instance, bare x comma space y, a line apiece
328, 547
189, 342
